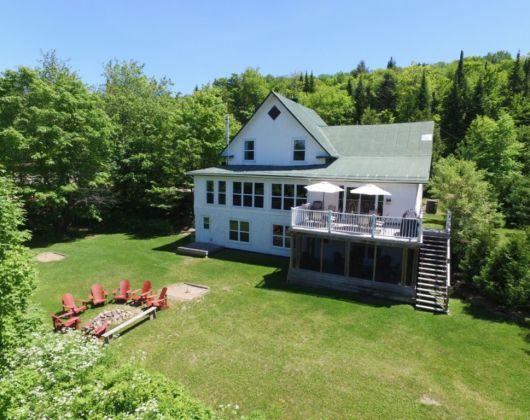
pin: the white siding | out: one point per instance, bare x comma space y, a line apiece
404, 197
273, 139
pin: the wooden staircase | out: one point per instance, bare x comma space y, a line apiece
432, 285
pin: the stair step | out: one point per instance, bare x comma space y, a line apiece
430, 296
433, 268
431, 280
431, 286
424, 288
430, 274
429, 302
427, 264
431, 309
432, 255
432, 251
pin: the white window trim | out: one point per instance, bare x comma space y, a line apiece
242, 195
218, 191
293, 150
283, 236
239, 231
282, 197
245, 150
209, 223
210, 192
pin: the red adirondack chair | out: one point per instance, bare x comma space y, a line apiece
139, 296
159, 302
123, 292
98, 296
69, 304
96, 331
65, 320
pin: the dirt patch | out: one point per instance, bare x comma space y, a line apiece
186, 291
426, 400
45, 257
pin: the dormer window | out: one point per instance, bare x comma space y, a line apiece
299, 150
249, 150
274, 112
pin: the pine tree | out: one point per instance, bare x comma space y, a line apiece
455, 119
359, 95
301, 78
423, 95
387, 93
311, 88
516, 75
526, 81
391, 63
434, 103
360, 69
349, 88
306, 83
477, 100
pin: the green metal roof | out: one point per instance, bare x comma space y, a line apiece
383, 152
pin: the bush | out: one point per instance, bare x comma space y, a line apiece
517, 202
506, 275
69, 375
462, 188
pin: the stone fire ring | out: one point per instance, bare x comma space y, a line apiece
186, 291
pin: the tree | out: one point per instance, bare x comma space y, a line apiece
306, 83
462, 189
311, 85
506, 275
17, 277
516, 75
246, 92
493, 145
424, 98
360, 69
455, 118
360, 100
517, 202
332, 104
391, 63
387, 93
349, 88
57, 143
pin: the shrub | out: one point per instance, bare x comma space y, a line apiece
517, 202
506, 275
69, 375
462, 188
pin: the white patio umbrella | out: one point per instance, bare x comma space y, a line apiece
324, 187
369, 189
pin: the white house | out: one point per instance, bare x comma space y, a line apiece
369, 242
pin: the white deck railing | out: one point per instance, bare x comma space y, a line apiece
397, 228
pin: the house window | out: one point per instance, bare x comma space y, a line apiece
280, 236
209, 192
206, 222
249, 150
248, 194
299, 150
239, 231
274, 112
285, 196
221, 192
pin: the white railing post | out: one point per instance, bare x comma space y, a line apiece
329, 221
293, 216
372, 221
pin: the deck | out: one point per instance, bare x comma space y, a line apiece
397, 229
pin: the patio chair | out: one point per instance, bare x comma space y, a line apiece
96, 331
69, 304
122, 293
139, 296
317, 205
98, 296
160, 302
64, 320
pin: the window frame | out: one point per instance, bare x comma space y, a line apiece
206, 222
297, 199
285, 236
247, 150
210, 194
295, 150
238, 230
221, 193
246, 192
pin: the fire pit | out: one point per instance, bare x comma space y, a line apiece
115, 315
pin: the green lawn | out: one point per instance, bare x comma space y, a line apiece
285, 353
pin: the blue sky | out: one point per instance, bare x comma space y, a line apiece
194, 42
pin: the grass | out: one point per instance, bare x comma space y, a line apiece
288, 353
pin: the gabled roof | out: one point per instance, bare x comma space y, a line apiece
310, 120
386, 152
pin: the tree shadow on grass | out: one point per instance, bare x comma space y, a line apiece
251, 258
277, 281
172, 246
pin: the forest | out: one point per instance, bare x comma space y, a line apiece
116, 155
